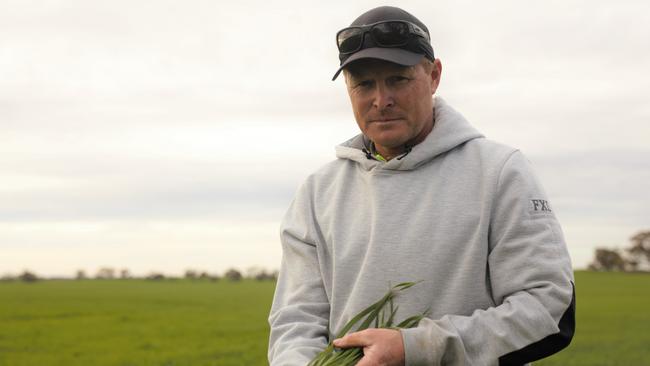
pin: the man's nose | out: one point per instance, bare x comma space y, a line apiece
383, 97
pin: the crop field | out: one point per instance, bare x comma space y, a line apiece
181, 322
134, 322
612, 321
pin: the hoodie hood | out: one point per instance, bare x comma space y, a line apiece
451, 129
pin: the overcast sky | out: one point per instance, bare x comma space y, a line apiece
165, 135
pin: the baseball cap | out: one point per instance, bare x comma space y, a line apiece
407, 54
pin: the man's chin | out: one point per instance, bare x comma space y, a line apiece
392, 129
388, 137
388, 144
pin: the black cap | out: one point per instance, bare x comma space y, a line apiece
408, 55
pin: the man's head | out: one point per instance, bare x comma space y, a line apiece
391, 88
393, 104
385, 33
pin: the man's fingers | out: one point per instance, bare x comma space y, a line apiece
356, 339
380, 346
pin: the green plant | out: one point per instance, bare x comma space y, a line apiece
381, 313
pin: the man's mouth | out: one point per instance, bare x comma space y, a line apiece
385, 120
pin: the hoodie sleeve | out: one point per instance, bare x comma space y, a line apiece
299, 316
532, 285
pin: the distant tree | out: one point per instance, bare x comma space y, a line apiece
191, 274
608, 260
81, 274
105, 273
7, 277
274, 275
639, 250
260, 274
255, 272
155, 276
233, 275
634, 258
125, 274
265, 275
28, 276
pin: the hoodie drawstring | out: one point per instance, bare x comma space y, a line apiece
370, 157
408, 150
368, 154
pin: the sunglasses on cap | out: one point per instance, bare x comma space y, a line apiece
387, 33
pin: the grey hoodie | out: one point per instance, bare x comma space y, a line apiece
465, 215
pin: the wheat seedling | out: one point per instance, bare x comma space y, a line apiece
377, 313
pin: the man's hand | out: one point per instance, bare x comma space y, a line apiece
382, 347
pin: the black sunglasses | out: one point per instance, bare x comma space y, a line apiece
387, 33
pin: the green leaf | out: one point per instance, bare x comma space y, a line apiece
332, 356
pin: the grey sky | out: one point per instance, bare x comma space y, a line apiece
169, 135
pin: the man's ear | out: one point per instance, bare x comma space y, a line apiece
436, 73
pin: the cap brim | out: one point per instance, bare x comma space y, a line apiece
395, 55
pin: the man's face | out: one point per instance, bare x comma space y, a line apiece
392, 103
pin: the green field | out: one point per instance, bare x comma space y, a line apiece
612, 321
135, 322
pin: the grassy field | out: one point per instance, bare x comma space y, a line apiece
134, 322
612, 321
172, 323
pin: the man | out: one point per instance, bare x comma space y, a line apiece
419, 195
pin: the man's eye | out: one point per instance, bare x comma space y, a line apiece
364, 84
400, 79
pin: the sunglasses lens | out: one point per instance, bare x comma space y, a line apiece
391, 33
349, 40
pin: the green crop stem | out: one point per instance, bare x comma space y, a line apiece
376, 313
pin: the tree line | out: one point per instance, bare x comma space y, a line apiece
109, 273
634, 258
